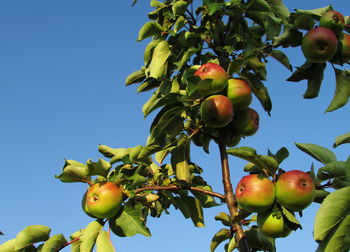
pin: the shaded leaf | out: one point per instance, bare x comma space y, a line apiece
213, 6
219, 237
195, 210
180, 22
333, 169
149, 29
315, 12
54, 243
345, 138
290, 219
342, 91
224, 218
320, 195
282, 58
205, 200
89, 236
257, 240
334, 208
318, 152
103, 242
30, 235
179, 7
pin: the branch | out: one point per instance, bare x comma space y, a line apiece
177, 188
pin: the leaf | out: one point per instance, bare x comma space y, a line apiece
75, 240
345, 138
290, 219
219, 237
213, 6
180, 22
30, 235
8, 246
205, 200
74, 171
333, 169
335, 207
320, 195
231, 245
318, 152
130, 222
195, 210
179, 7
117, 154
290, 37
280, 155
282, 58
258, 241
342, 91
179, 162
149, 29
89, 236
54, 243
336, 241
224, 218
101, 167
103, 242
158, 66
315, 12
135, 77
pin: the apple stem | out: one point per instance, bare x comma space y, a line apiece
231, 198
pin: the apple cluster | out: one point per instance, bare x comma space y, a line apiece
226, 103
293, 190
102, 200
327, 41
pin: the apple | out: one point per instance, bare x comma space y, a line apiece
102, 200
246, 122
215, 79
319, 45
216, 111
345, 47
239, 93
333, 20
272, 224
255, 193
295, 190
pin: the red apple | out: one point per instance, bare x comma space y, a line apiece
333, 20
216, 111
102, 200
319, 45
255, 193
239, 92
345, 47
215, 76
295, 190
272, 225
246, 122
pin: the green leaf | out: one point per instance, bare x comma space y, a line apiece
158, 66
342, 91
231, 245
89, 236
103, 242
336, 241
205, 200
130, 222
290, 219
315, 12
179, 162
213, 6
266, 163
75, 246
195, 210
258, 241
318, 152
8, 246
282, 58
224, 218
345, 138
135, 77
101, 167
186, 56
179, 7
149, 29
333, 169
290, 37
335, 207
147, 56
180, 22
219, 237
117, 154
30, 235
74, 171
54, 243
280, 155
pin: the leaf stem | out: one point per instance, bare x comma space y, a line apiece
68, 243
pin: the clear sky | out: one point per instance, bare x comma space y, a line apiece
62, 71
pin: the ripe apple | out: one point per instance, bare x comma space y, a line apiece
255, 193
102, 200
272, 225
239, 92
345, 47
319, 45
333, 20
216, 111
246, 122
295, 190
216, 78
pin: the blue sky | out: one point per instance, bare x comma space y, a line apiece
63, 66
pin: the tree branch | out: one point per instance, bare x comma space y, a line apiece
178, 187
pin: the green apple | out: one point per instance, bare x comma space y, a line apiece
246, 122
345, 47
239, 93
272, 225
255, 193
333, 20
295, 190
216, 111
319, 45
213, 79
102, 200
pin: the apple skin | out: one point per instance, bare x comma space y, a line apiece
246, 122
295, 190
214, 72
333, 20
239, 92
271, 226
319, 45
255, 193
102, 200
216, 111
345, 47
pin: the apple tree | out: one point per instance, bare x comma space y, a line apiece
203, 63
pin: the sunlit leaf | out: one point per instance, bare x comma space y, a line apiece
224, 218
54, 243
89, 236
158, 66
342, 91
318, 152
8, 246
231, 245
179, 7
179, 162
30, 235
135, 77
282, 58
219, 237
316, 12
103, 242
101, 167
333, 169
149, 29
345, 138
